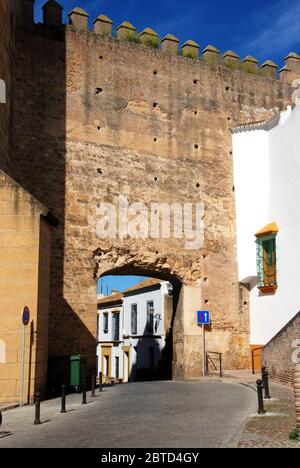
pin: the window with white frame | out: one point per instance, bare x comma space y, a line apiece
105, 322
150, 316
133, 319
115, 326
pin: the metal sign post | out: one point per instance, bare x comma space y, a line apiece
25, 322
203, 318
203, 341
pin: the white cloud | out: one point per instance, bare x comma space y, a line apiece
280, 31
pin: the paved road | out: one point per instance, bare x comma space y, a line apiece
146, 415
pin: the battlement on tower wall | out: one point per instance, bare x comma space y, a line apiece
169, 44
103, 112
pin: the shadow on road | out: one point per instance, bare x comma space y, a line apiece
5, 434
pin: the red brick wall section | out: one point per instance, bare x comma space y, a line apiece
278, 353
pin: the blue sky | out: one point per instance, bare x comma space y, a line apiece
268, 29
119, 283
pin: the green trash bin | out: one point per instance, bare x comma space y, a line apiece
78, 367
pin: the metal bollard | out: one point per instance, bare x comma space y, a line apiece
93, 394
37, 419
100, 381
63, 399
265, 379
84, 402
261, 409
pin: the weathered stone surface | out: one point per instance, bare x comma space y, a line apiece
97, 122
190, 49
292, 63
297, 394
24, 281
79, 19
103, 25
278, 353
5, 75
211, 55
269, 69
231, 59
250, 65
169, 44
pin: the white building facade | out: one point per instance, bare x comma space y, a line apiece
267, 193
131, 331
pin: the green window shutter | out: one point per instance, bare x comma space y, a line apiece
260, 262
266, 260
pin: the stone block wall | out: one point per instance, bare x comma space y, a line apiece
25, 240
5, 76
110, 117
96, 116
278, 354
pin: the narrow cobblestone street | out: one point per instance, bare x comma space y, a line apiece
152, 415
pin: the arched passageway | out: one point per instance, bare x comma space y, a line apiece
136, 325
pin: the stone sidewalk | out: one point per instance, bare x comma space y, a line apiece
272, 429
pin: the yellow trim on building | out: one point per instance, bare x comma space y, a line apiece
106, 351
126, 349
269, 229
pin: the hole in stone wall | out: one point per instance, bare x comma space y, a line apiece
155, 139
198, 185
233, 188
205, 280
99, 171
195, 81
206, 301
99, 90
154, 72
196, 146
227, 88
101, 57
195, 112
228, 118
156, 179
98, 128
155, 104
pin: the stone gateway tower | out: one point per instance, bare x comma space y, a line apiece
103, 113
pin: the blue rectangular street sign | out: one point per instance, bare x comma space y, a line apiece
203, 317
